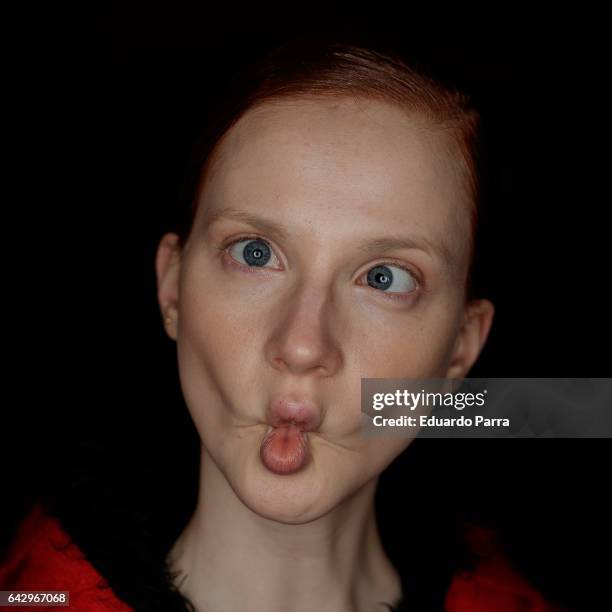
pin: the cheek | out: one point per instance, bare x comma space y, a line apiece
417, 345
219, 346
385, 449
215, 320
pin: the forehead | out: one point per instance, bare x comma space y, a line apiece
323, 162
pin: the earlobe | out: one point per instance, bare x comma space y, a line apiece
472, 337
167, 268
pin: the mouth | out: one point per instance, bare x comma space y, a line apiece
298, 426
285, 447
291, 410
285, 450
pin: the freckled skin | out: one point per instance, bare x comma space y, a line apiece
334, 173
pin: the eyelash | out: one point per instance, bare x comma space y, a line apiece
419, 282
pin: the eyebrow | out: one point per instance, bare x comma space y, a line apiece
261, 223
380, 245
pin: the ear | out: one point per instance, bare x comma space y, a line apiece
477, 322
167, 268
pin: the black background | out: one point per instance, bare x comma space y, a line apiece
108, 111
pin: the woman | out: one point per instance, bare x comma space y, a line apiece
331, 241
331, 238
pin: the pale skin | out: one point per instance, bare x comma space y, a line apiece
334, 174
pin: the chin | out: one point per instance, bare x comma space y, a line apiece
293, 499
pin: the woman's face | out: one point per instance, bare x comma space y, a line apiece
330, 244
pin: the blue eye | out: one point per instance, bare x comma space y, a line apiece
257, 252
253, 252
381, 277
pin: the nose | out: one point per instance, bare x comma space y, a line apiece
303, 341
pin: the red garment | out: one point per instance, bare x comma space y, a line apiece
42, 557
494, 585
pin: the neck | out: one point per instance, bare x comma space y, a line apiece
228, 555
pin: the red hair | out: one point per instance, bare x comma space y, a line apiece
315, 66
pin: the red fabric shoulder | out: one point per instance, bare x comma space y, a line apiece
42, 557
494, 584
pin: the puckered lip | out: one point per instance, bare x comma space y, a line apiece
293, 409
